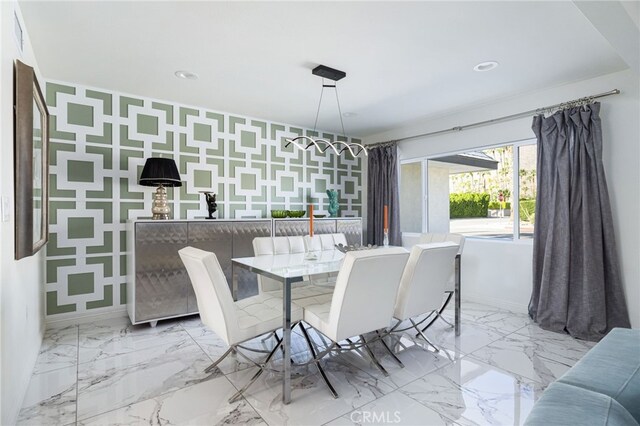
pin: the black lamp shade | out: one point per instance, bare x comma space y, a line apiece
160, 171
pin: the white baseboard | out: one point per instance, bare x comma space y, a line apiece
499, 303
72, 318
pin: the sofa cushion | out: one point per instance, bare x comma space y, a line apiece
563, 404
612, 368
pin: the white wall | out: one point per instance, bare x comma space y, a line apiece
411, 197
621, 131
22, 283
438, 201
497, 272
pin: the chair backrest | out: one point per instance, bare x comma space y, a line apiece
424, 279
275, 245
278, 245
324, 242
441, 238
365, 291
215, 303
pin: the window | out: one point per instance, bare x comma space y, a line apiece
485, 193
527, 155
480, 188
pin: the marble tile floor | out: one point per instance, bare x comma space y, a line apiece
113, 373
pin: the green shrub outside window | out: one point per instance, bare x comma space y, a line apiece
527, 210
495, 205
468, 204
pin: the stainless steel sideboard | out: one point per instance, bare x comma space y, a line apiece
158, 286
350, 227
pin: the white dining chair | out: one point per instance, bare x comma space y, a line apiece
458, 239
362, 301
286, 245
322, 243
423, 282
233, 322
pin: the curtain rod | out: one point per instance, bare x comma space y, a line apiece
508, 117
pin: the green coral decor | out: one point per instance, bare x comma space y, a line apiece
333, 202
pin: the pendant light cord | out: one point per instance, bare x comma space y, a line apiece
315, 124
320, 144
319, 103
340, 111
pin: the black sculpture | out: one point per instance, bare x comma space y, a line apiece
210, 198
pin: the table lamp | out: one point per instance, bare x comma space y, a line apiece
160, 172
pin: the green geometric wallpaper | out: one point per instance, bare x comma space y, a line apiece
99, 142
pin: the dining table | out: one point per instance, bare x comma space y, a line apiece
288, 269
297, 267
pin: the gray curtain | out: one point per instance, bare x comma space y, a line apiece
382, 189
577, 286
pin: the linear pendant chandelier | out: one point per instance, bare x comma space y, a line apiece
322, 145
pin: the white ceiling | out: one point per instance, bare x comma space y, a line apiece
403, 61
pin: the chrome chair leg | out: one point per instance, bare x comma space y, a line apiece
273, 335
250, 349
435, 317
439, 312
389, 350
373, 357
444, 319
446, 302
213, 366
421, 334
279, 342
269, 336
324, 342
320, 369
352, 346
238, 394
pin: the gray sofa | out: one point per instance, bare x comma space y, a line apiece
603, 388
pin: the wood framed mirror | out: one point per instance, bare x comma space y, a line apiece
31, 163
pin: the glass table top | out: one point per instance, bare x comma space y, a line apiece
294, 265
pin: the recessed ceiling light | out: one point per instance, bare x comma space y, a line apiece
485, 66
187, 75
349, 114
